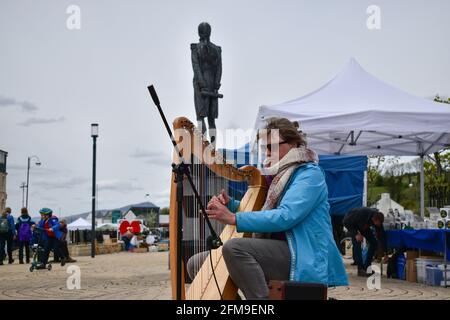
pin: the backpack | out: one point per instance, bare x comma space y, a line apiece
24, 233
4, 225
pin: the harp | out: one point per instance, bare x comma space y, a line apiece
210, 173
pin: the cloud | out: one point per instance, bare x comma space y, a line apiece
41, 170
117, 185
152, 157
32, 121
161, 198
62, 183
26, 106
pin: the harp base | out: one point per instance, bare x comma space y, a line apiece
293, 290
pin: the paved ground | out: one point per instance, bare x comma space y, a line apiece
146, 276
110, 276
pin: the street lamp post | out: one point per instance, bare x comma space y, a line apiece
23, 186
38, 163
94, 135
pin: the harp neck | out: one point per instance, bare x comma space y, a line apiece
205, 153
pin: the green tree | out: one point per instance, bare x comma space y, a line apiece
164, 210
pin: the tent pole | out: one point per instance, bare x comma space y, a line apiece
422, 187
365, 189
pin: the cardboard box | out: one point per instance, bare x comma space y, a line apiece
163, 246
140, 250
411, 271
412, 254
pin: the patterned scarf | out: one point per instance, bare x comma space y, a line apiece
283, 169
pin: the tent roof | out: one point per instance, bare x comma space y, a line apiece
79, 224
356, 113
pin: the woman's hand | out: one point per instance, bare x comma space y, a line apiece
217, 211
222, 197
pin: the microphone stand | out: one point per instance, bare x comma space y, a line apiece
213, 241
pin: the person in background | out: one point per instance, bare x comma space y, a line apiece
23, 227
63, 241
360, 223
4, 230
10, 234
126, 238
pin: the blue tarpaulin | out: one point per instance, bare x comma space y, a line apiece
424, 239
344, 176
345, 180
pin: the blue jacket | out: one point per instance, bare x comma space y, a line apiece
303, 214
53, 224
12, 226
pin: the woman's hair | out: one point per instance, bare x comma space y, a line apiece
288, 130
24, 210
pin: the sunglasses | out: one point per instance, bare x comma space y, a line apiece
269, 146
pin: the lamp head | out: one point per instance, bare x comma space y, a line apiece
94, 130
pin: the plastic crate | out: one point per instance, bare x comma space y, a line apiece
442, 268
434, 276
422, 264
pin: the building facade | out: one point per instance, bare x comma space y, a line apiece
3, 173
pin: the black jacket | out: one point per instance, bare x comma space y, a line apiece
360, 220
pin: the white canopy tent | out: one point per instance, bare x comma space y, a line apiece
79, 224
356, 113
107, 226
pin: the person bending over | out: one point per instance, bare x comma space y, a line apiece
365, 223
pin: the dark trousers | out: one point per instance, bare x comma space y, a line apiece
64, 249
2, 247
25, 244
357, 252
127, 241
9, 245
51, 244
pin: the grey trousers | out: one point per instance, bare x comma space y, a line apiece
251, 263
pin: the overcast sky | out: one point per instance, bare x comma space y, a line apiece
55, 82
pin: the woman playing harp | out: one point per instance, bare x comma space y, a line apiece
300, 246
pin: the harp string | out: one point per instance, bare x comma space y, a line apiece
195, 231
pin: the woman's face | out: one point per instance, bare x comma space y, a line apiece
277, 148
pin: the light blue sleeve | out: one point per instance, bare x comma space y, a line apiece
233, 205
299, 200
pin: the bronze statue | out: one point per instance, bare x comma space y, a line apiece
207, 65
